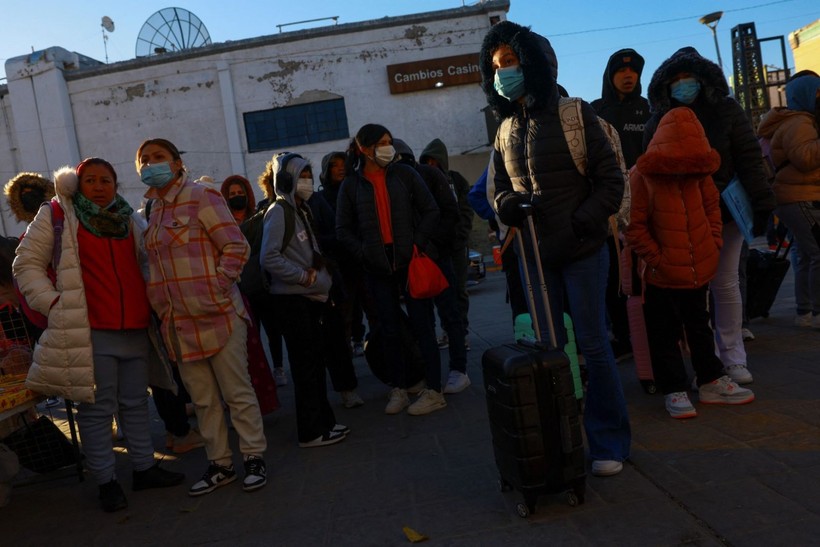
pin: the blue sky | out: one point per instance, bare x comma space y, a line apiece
654, 28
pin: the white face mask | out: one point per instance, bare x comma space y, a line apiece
384, 155
304, 188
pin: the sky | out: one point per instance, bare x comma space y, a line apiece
583, 34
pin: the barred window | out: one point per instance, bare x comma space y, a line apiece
290, 126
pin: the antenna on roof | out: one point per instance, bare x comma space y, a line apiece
107, 25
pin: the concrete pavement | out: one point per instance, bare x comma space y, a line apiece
746, 475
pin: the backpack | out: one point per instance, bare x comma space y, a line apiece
254, 281
57, 220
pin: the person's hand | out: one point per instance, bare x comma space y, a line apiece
509, 208
310, 280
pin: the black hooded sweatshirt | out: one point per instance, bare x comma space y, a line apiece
628, 115
531, 153
727, 127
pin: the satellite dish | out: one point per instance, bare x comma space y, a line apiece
107, 23
169, 30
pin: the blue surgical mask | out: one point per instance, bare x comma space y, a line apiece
509, 82
685, 90
157, 175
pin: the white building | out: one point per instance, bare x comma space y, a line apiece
231, 106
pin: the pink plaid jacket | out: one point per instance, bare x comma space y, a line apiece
195, 255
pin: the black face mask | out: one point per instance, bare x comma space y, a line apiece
32, 200
238, 203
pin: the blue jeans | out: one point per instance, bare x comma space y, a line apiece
803, 219
583, 282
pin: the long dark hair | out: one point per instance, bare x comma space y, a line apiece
368, 135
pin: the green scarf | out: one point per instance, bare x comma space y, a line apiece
113, 222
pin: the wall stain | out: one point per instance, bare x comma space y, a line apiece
286, 68
416, 32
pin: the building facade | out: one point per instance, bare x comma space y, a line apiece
231, 106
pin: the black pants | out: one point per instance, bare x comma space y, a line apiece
670, 312
336, 349
264, 311
516, 294
300, 321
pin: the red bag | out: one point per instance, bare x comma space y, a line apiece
261, 376
424, 278
57, 217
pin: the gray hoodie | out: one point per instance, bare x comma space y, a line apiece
289, 269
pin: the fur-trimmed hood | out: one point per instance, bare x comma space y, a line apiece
225, 189
66, 182
14, 189
714, 87
679, 148
537, 60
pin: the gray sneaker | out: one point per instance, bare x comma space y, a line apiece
724, 391
456, 382
679, 406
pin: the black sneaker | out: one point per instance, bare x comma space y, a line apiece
331, 437
254, 474
214, 477
112, 498
155, 477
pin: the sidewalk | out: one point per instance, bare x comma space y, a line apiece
747, 475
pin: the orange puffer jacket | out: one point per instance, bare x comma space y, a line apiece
675, 225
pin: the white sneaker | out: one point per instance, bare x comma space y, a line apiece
351, 399
429, 401
747, 334
398, 401
802, 320
456, 382
739, 373
606, 468
417, 388
724, 391
679, 406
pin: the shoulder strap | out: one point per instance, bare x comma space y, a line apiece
572, 122
57, 221
290, 222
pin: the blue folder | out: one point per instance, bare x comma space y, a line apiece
740, 206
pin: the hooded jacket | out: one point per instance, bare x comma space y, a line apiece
62, 362
329, 190
250, 205
726, 125
627, 115
43, 187
795, 143
289, 268
437, 150
531, 154
675, 222
413, 212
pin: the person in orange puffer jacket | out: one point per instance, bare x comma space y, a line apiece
675, 228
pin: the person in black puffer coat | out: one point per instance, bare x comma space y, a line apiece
533, 164
384, 210
687, 79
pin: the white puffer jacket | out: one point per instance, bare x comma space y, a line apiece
62, 363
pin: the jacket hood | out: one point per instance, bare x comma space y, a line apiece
66, 182
713, 83
538, 63
773, 119
621, 58
14, 189
404, 152
437, 150
801, 93
679, 147
325, 174
294, 164
238, 179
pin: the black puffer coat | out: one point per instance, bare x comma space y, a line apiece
727, 127
532, 156
413, 212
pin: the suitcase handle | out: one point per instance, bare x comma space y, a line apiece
528, 212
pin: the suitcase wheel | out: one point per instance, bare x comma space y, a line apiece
503, 485
573, 500
649, 386
522, 510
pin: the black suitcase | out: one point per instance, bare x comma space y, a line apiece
765, 271
535, 419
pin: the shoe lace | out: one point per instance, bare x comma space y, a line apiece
254, 466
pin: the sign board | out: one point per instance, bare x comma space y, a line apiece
433, 73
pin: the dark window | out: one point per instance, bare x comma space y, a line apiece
289, 126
